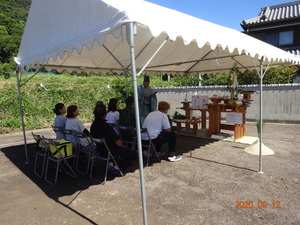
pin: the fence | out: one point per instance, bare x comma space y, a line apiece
281, 102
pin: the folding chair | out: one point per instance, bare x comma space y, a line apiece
85, 146
148, 144
69, 134
115, 126
41, 151
59, 131
128, 136
59, 157
101, 141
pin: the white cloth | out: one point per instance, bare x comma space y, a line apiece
155, 123
75, 125
112, 117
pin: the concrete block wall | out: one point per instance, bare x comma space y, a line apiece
281, 103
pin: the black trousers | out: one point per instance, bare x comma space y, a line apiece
166, 137
126, 156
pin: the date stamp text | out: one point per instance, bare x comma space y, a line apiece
259, 204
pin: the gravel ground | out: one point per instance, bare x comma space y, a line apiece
217, 184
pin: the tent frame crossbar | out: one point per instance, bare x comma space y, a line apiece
195, 61
115, 58
152, 57
199, 60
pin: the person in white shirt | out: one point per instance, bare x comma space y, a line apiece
113, 114
160, 132
60, 119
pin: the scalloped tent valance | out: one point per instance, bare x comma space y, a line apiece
91, 36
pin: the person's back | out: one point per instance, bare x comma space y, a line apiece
60, 121
160, 132
155, 123
73, 123
113, 114
127, 115
112, 117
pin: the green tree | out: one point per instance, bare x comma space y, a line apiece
280, 75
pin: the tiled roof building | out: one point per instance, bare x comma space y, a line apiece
278, 25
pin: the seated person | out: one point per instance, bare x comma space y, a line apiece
74, 124
127, 115
101, 129
60, 119
159, 129
98, 104
113, 114
127, 119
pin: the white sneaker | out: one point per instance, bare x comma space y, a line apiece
174, 158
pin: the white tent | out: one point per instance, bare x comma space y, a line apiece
136, 36
85, 35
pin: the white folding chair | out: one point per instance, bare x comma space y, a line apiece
41, 152
61, 160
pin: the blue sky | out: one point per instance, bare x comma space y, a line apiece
228, 13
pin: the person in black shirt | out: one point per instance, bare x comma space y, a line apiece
101, 129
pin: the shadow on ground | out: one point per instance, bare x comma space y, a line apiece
68, 186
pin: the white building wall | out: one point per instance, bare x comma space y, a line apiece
281, 103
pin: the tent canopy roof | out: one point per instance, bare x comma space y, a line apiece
91, 36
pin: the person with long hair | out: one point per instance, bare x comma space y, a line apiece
74, 124
97, 105
113, 115
60, 119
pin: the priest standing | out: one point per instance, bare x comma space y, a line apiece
147, 99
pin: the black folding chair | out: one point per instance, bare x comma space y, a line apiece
59, 131
86, 147
71, 133
128, 136
108, 158
148, 144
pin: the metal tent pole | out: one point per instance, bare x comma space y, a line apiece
260, 115
21, 111
130, 28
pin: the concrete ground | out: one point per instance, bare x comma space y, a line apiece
217, 184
